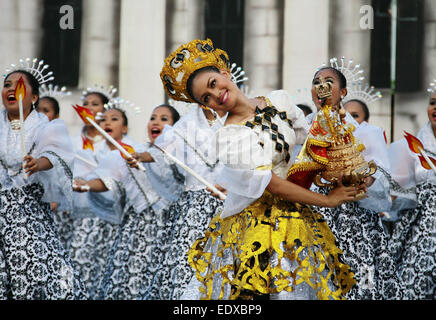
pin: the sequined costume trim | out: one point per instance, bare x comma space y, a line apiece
271, 229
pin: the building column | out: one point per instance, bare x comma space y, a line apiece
99, 43
185, 22
263, 33
142, 52
306, 42
20, 30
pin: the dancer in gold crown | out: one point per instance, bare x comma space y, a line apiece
267, 240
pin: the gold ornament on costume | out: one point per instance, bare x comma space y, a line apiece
188, 58
331, 150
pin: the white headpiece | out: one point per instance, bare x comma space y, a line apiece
352, 74
364, 94
38, 70
108, 92
432, 87
237, 74
124, 105
53, 91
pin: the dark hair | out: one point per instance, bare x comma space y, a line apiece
193, 75
34, 84
306, 109
364, 108
174, 113
103, 98
123, 114
54, 103
340, 76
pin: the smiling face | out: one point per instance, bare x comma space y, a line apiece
215, 90
46, 107
113, 123
8, 95
159, 118
431, 111
330, 76
94, 103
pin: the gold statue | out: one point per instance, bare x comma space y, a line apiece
331, 150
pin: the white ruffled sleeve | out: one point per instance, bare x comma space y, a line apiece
54, 144
109, 205
246, 172
376, 150
403, 182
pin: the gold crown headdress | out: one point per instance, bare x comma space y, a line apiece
432, 87
188, 58
108, 92
365, 94
53, 91
38, 70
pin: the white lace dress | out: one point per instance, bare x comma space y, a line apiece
33, 261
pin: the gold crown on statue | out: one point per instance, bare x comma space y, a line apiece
188, 58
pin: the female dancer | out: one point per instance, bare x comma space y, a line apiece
413, 239
189, 141
96, 227
140, 242
264, 241
33, 261
357, 225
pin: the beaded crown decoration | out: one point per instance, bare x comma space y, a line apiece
53, 91
108, 92
432, 87
35, 68
352, 74
125, 105
363, 93
188, 58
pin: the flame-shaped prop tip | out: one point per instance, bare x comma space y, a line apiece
414, 144
84, 113
424, 162
20, 90
127, 147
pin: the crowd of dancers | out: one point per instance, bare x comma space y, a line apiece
81, 220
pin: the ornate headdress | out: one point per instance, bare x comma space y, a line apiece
124, 105
365, 94
53, 91
432, 87
108, 92
38, 70
188, 58
352, 74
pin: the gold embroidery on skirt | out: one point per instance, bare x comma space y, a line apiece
271, 226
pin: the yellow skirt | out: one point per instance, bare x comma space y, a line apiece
246, 253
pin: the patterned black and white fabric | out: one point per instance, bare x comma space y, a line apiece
188, 218
360, 235
33, 262
413, 244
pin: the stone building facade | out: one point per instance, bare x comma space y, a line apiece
124, 42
